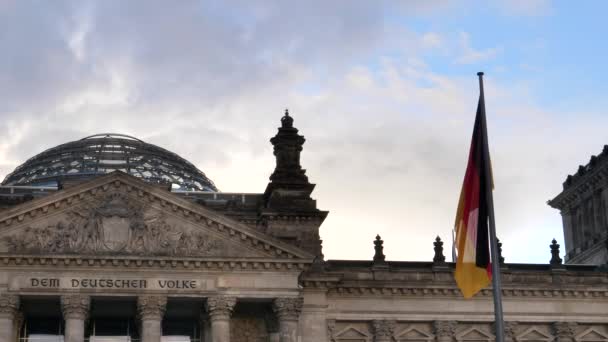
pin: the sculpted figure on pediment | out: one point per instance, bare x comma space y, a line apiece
114, 225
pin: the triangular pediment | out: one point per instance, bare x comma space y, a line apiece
413, 334
533, 334
591, 334
474, 334
118, 214
351, 332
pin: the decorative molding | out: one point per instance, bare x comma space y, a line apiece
373, 290
9, 305
75, 306
151, 307
220, 307
288, 308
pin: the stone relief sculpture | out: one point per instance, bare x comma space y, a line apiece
114, 225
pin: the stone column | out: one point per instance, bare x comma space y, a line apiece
151, 310
444, 330
288, 312
9, 306
220, 309
313, 319
383, 330
75, 310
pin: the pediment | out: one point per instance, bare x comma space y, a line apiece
591, 334
352, 333
474, 334
533, 334
413, 334
118, 214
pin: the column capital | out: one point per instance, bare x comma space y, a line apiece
564, 331
75, 306
151, 307
288, 308
384, 329
9, 305
444, 330
220, 307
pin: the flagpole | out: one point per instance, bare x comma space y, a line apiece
496, 282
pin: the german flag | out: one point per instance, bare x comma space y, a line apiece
473, 266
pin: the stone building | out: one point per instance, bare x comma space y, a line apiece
109, 238
582, 204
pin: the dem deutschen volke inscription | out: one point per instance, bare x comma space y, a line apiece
110, 283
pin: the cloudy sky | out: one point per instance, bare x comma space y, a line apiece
385, 93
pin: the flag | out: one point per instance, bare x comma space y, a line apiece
473, 266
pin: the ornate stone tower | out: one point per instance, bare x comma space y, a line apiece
582, 204
289, 212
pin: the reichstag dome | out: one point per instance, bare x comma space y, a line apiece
104, 153
112, 239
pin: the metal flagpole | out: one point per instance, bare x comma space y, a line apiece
496, 282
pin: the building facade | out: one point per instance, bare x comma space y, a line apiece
112, 239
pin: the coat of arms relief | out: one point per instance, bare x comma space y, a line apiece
114, 225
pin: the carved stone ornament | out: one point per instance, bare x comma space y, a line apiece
383, 330
75, 306
9, 305
564, 331
220, 307
444, 330
288, 309
113, 225
331, 330
151, 307
510, 331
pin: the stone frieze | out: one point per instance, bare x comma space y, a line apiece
114, 225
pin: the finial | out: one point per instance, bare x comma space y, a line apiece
439, 258
379, 256
501, 259
480, 73
555, 259
286, 120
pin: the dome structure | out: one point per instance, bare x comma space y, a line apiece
104, 153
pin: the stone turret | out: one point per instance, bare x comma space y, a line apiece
584, 210
289, 212
289, 187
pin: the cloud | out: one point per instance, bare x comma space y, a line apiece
526, 7
387, 131
469, 55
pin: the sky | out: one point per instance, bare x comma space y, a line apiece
385, 93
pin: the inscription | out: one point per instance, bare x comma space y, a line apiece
109, 283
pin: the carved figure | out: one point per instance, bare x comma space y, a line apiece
113, 225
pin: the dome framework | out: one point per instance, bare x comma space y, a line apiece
104, 153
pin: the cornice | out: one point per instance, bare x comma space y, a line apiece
380, 291
182, 208
118, 262
581, 188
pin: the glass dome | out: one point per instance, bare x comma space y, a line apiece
103, 153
